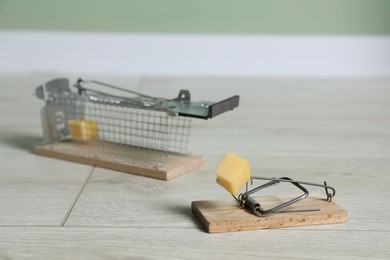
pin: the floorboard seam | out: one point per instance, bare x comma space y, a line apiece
77, 198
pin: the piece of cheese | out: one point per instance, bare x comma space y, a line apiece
82, 129
232, 173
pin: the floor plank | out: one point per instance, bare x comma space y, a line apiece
37, 191
189, 243
115, 199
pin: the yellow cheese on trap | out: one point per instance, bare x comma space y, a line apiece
82, 129
232, 173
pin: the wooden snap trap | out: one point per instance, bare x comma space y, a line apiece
249, 212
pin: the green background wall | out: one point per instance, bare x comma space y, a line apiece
338, 17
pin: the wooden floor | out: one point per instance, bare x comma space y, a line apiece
336, 130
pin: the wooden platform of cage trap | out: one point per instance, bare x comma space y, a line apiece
174, 164
226, 215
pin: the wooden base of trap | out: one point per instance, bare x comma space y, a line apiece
174, 166
226, 216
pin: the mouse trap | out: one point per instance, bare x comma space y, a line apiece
248, 212
133, 133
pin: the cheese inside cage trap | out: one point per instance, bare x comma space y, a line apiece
140, 134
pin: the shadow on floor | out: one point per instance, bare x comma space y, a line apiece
21, 141
187, 212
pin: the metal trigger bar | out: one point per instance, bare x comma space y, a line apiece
246, 201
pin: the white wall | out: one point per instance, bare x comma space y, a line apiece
158, 54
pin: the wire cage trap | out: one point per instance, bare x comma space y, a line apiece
140, 134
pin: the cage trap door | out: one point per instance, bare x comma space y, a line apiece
54, 119
61, 106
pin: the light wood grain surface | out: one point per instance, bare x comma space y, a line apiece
225, 215
174, 166
336, 130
